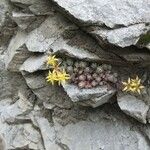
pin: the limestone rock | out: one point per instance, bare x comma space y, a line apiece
18, 134
91, 97
13, 112
9, 82
96, 130
37, 7
25, 137
16, 53
2, 143
48, 134
134, 107
7, 26
50, 30
67, 116
108, 17
35, 63
46, 92
109, 13
123, 37
27, 21
61, 47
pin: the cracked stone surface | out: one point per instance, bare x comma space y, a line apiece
126, 16
35, 115
134, 107
90, 97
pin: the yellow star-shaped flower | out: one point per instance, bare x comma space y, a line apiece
52, 77
52, 60
133, 85
62, 76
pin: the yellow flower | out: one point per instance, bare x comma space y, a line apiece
58, 76
52, 60
52, 77
133, 85
62, 76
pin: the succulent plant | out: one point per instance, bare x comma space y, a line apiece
87, 70
99, 69
109, 67
81, 84
88, 75
76, 64
88, 85
75, 70
115, 74
98, 79
82, 77
105, 67
83, 64
94, 65
64, 65
94, 83
69, 62
95, 75
70, 69
101, 83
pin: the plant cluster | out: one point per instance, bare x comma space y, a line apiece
133, 85
57, 74
88, 75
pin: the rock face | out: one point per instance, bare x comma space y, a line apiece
130, 18
18, 53
36, 115
134, 107
90, 97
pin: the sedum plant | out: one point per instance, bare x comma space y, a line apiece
57, 74
133, 85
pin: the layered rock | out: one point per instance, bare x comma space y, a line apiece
37, 115
126, 16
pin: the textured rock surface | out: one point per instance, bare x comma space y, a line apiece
34, 114
7, 26
34, 64
134, 107
16, 53
47, 93
122, 37
90, 97
111, 14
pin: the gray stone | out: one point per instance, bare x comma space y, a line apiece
148, 46
18, 135
2, 143
35, 63
48, 134
21, 137
9, 82
62, 47
40, 39
96, 130
37, 7
16, 53
46, 92
67, 116
7, 26
134, 107
27, 21
119, 23
10, 113
110, 13
91, 97
123, 37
